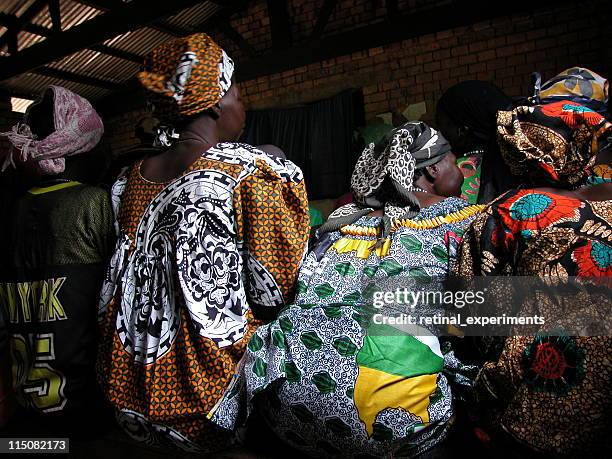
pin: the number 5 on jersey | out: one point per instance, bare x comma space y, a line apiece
39, 385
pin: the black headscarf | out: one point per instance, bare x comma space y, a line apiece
475, 104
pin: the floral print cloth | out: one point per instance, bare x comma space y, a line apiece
551, 393
194, 256
333, 384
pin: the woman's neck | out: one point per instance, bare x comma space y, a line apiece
425, 199
428, 199
197, 137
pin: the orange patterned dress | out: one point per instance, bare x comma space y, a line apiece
194, 256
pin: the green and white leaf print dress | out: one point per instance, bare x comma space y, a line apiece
332, 383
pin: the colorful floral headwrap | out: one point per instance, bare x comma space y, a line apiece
384, 175
576, 84
184, 77
77, 128
553, 143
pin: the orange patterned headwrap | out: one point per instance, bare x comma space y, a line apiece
193, 72
551, 143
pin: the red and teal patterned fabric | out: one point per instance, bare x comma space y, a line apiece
551, 393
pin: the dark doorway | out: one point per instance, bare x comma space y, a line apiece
318, 137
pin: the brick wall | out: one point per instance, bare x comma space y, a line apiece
416, 71
120, 130
254, 23
505, 50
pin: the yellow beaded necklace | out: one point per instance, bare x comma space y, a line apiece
355, 230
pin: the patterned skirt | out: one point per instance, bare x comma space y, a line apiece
329, 388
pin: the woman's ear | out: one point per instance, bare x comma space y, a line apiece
432, 172
217, 108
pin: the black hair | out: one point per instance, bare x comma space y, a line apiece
39, 117
182, 121
418, 173
166, 110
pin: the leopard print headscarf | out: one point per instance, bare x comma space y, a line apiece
384, 175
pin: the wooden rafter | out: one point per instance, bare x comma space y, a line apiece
10, 36
280, 25
45, 32
160, 25
221, 17
226, 29
421, 23
324, 15
131, 16
56, 15
7, 19
110, 51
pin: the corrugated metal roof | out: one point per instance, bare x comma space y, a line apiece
32, 84
92, 63
20, 105
191, 17
140, 41
26, 39
15, 7
98, 65
73, 14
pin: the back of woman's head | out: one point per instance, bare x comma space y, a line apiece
551, 144
186, 78
466, 116
59, 124
472, 105
39, 116
576, 84
385, 174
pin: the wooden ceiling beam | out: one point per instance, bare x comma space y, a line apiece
420, 23
104, 49
115, 52
7, 19
133, 15
56, 15
10, 36
226, 29
280, 24
161, 25
323, 18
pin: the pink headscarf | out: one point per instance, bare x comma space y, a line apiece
78, 128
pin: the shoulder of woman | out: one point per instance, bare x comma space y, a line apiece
270, 165
454, 204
